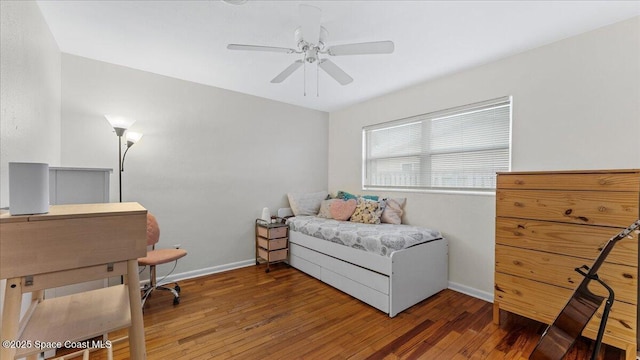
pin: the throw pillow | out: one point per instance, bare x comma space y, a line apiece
346, 196
342, 209
306, 203
392, 213
368, 211
325, 207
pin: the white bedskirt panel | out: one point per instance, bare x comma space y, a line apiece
367, 260
411, 275
418, 273
365, 285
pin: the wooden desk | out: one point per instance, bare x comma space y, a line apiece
71, 244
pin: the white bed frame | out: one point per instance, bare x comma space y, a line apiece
390, 284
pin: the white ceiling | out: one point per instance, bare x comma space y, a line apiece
187, 39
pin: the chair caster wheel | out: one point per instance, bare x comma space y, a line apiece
177, 288
176, 301
267, 270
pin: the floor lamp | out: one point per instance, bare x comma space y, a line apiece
120, 125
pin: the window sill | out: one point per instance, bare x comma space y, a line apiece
491, 192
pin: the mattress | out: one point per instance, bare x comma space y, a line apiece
380, 239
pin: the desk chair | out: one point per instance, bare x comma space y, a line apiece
158, 257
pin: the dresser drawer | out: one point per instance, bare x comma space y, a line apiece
272, 232
571, 181
617, 209
567, 239
559, 270
274, 244
543, 302
271, 256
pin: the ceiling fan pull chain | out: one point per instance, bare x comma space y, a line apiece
304, 82
318, 79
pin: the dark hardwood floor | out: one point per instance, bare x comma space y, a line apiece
285, 314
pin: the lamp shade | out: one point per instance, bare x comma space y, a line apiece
119, 122
133, 137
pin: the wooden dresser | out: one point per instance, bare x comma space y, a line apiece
549, 223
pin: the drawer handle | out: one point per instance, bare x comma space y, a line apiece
603, 182
518, 182
518, 204
602, 209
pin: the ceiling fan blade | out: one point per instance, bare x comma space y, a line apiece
335, 72
286, 72
376, 47
310, 23
260, 48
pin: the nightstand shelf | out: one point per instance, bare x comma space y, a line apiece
272, 242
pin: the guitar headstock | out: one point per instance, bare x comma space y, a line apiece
635, 228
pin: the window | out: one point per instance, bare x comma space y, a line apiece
455, 149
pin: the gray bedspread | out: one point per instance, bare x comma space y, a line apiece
381, 239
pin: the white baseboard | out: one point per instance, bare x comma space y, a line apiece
467, 290
202, 272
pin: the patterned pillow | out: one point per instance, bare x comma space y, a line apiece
346, 196
306, 203
392, 213
368, 211
342, 209
325, 208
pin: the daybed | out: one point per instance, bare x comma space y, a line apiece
390, 267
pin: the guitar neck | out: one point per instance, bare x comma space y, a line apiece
609, 246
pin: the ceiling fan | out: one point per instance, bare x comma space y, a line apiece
311, 44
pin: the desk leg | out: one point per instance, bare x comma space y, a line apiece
136, 332
11, 316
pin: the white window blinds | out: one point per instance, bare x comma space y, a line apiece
459, 148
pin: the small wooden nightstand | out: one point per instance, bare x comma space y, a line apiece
272, 242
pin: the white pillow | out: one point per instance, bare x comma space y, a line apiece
392, 213
306, 203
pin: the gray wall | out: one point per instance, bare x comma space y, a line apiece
576, 105
209, 161
29, 90
29, 94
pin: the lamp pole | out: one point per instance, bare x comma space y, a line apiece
120, 132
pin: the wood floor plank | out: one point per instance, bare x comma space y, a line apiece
285, 314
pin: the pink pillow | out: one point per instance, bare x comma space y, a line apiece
342, 210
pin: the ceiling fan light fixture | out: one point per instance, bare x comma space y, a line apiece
311, 55
324, 34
